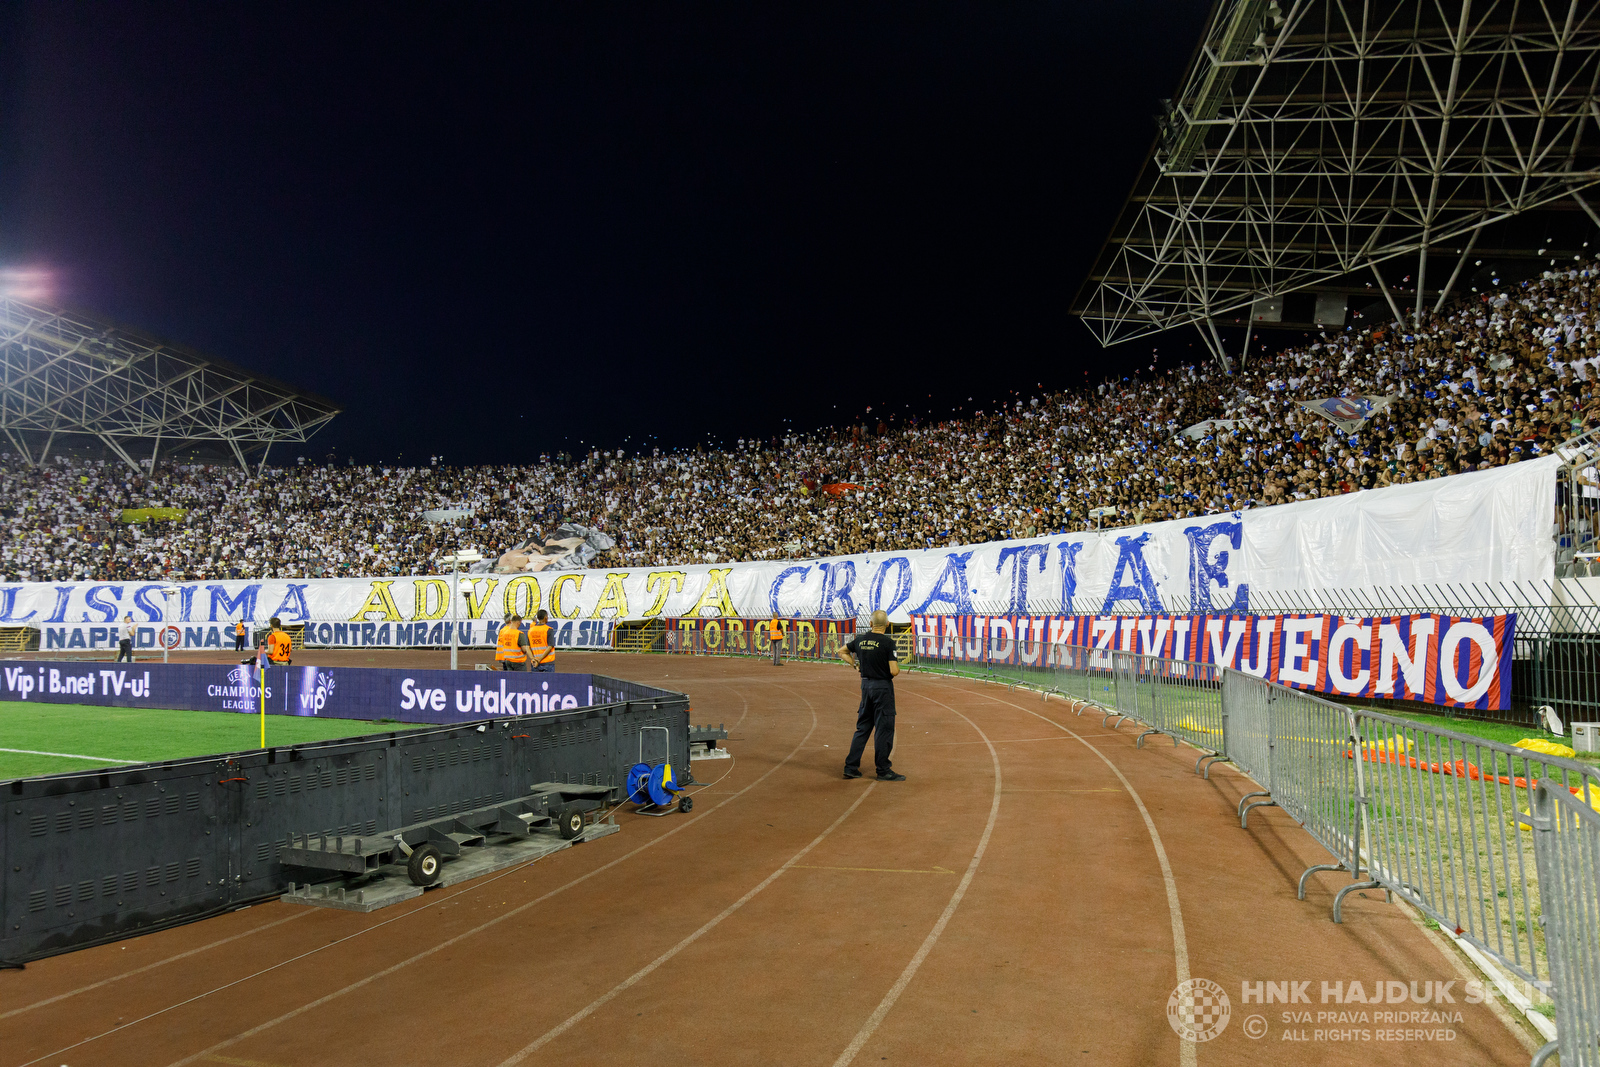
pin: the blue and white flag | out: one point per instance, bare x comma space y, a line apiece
1348, 413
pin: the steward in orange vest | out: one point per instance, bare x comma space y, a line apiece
775, 637
238, 636
278, 645
511, 645
541, 643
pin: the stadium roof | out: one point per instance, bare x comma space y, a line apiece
1314, 141
65, 376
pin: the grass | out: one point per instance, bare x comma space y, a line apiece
1505, 733
142, 735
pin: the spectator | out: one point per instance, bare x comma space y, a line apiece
1499, 378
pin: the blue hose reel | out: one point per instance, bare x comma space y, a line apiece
654, 787
650, 785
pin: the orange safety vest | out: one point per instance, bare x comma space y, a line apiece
539, 642
508, 645
238, 629
278, 646
775, 631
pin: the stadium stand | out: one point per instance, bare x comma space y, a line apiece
1500, 377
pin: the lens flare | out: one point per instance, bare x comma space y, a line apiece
27, 283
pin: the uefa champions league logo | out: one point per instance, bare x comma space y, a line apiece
1198, 1009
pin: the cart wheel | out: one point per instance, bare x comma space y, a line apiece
570, 822
424, 864
686, 804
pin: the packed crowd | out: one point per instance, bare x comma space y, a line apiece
1500, 377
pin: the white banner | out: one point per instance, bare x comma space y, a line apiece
1487, 526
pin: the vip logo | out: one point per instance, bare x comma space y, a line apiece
317, 699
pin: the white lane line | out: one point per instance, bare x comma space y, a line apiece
1180, 943
644, 972
947, 744
68, 755
426, 953
887, 1004
152, 966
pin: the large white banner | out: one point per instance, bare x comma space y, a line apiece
1482, 527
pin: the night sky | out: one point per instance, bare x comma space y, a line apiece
493, 231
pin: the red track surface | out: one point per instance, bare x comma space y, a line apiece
1006, 905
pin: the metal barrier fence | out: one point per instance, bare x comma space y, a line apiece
1447, 820
1449, 823
1566, 836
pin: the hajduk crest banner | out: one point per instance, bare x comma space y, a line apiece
1456, 661
1349, 413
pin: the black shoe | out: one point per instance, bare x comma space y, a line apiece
891, 777
848, 773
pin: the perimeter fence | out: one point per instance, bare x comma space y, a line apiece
1496, 843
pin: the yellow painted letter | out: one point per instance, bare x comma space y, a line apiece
669, 582
716, 594
613, 596
555, 595
474, 605
514, 597
423, 594
382, 600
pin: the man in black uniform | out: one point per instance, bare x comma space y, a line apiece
874, 656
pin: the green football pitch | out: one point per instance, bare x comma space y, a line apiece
51, 738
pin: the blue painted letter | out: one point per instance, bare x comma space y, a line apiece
1069, 572
1203, 572
1130, 556
1019, 576
902, 583
838, 579
959, 593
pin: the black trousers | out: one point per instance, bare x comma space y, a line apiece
238, 642
876, 716
125, 650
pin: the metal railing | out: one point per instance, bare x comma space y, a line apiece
649, 636
1566, 835
1496, 843
1447, 830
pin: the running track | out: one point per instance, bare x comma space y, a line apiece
1030, 896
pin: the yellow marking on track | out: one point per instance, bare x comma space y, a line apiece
876, 870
